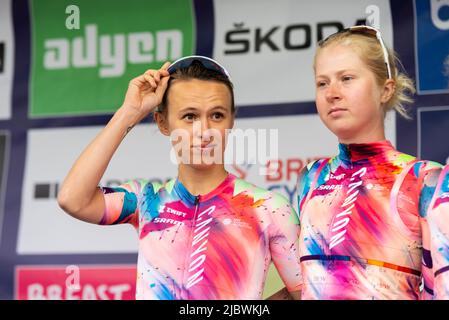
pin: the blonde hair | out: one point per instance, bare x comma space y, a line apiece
370, 52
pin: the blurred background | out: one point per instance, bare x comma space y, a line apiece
65, 67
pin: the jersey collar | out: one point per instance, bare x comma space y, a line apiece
189, 198
374, 151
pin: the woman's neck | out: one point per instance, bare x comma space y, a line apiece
199, 181
366, 136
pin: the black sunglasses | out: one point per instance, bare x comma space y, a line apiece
208, 63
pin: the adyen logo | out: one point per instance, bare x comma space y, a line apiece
432, 18
86, 70
110, 54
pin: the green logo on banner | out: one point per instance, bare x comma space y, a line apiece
87, 70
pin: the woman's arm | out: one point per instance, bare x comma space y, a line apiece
80, 195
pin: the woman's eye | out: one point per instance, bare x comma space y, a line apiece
189, 117
347, 78
320, 84
217, 116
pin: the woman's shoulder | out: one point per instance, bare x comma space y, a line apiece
313, 168
418, 167
250, 189
256, 192
260, 195
145, 187
407, 160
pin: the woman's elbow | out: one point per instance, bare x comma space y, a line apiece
67, 203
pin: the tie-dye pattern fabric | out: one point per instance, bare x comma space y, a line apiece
213, 246
436, 240
360, 224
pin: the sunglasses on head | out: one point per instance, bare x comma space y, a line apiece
207, 63
369, 31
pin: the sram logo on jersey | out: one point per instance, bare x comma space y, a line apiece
170, 216
167, 220
330, 187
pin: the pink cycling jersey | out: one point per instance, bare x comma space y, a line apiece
361, 228
214, 246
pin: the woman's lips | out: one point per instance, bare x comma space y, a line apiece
336, 111
205, 147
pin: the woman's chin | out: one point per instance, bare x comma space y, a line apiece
201, 163
343, 132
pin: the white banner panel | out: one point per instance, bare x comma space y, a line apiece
6, 58
268, 46
44, 228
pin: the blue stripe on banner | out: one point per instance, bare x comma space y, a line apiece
404, 45
18, 131
205, 27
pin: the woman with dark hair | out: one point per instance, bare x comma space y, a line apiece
205, 234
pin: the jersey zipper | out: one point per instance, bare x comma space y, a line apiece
187, 260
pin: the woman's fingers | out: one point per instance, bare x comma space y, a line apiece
160, 90
165, 66
150, 79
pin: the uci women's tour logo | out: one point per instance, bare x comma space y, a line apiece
84, 55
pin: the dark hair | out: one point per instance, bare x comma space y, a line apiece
196, 71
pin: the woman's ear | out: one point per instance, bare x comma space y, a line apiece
388, 90
161, 121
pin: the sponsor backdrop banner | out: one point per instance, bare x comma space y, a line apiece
270, 53
64, 69
432, 45
61, 283
114, 43
433, 122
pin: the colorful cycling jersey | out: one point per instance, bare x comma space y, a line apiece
436, 241
360, 223
213, 246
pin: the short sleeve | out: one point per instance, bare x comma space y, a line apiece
284, 235
121, 203
435, 216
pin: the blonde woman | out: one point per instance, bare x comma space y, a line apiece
361, 211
